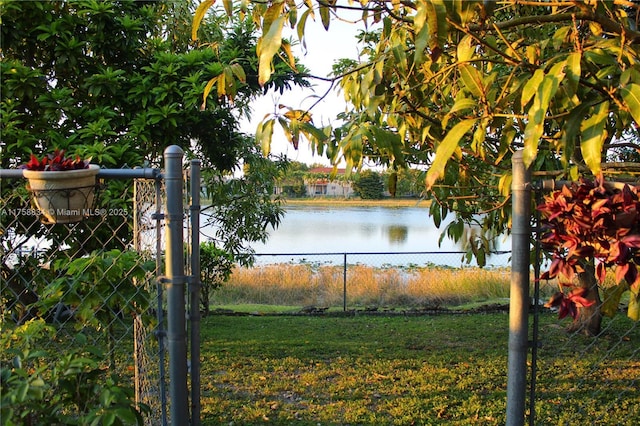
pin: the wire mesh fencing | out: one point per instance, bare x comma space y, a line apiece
585, 356
578, 377
373, 281
80, 308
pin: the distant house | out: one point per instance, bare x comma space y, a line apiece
319, 183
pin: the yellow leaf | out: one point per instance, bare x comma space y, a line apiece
446, 149
286, 46
594, 134
222, 82
465, 49
299, 115
472, 80
228, 7
238, 71
270, 41
631, 96
633, 311
198, 16
207, 90
264, 133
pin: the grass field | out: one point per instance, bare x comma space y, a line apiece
394, 370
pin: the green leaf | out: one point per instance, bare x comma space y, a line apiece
593, 137
434, 210
465, 49
126, 415
574, 71
571, 131
633, 311
538, 111
108, 418
531, 87
611, 299
472, 80
324, 16
21, 393
421, 31
631, 97
446, 149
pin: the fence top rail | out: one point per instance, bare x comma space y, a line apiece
138, 173
372, 253
550, 185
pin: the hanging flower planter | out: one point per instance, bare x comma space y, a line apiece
62, 189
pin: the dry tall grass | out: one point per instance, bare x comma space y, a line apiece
323, 286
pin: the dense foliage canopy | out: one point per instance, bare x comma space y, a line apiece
119, 81
458, 86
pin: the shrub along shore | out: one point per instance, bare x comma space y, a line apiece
357, 202
290, 286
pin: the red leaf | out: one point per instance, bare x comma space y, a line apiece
555, 300
621, 272
601, 272
577, 297
631, 240
631, 276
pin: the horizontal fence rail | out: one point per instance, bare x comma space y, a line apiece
364, 280
440, 258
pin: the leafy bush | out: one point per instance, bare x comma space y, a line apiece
74, 388
369, 185
588, 228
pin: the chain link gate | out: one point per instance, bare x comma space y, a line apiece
83, 303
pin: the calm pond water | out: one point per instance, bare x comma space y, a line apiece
311, 233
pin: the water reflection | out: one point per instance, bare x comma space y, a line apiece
397, 234
307, 230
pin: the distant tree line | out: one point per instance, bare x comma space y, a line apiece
367, 184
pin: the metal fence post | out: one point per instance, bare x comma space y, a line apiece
176, 331
344, 283
194, 292
519, 292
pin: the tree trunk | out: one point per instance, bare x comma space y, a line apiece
204, 300
589, 318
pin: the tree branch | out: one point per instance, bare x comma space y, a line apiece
607, 24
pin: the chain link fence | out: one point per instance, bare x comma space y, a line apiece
595, 373
81, 309
600, 371
383, 281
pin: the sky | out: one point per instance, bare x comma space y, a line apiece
323, 49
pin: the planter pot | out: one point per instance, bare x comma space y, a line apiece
63, 196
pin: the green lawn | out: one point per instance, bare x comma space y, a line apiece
376, 370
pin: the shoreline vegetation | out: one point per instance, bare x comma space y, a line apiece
357, 202
290, 287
